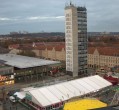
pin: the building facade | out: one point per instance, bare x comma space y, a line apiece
6, 75
76, 40
48, 51
106, 57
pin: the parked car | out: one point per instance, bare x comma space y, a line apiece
12, 99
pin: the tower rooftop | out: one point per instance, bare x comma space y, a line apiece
79, 8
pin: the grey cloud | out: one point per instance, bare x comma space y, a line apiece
19, 20
4, 19
103, 15
48, 18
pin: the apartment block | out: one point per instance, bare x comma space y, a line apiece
76, 40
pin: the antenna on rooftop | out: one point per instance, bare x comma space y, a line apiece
70, 2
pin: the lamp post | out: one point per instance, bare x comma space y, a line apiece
3, 92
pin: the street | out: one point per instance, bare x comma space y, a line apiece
47, 80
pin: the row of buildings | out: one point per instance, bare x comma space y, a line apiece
51, 50
103, 57
97, 56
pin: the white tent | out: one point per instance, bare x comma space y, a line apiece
53, 94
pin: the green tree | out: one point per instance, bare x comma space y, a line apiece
27, 53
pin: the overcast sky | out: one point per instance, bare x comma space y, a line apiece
48, 15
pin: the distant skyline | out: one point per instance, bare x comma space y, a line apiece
48, 15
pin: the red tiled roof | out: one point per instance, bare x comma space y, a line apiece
109, 51
49, 47
40, 47
59, 47
25, 47
14, 46
91, 50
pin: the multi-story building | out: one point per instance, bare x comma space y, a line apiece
106, 57
76, 40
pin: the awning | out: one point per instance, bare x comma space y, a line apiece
20, 95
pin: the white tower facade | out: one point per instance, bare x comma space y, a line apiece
76, 40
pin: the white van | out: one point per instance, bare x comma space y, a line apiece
12, 99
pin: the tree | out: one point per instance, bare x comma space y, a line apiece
27, 53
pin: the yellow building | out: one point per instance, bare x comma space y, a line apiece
103, 57
54, 53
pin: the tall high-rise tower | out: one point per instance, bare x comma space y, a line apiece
76, 40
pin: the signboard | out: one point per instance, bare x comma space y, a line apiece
28, 97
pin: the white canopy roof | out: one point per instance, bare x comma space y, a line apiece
49, 95
20, 95
24, 61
